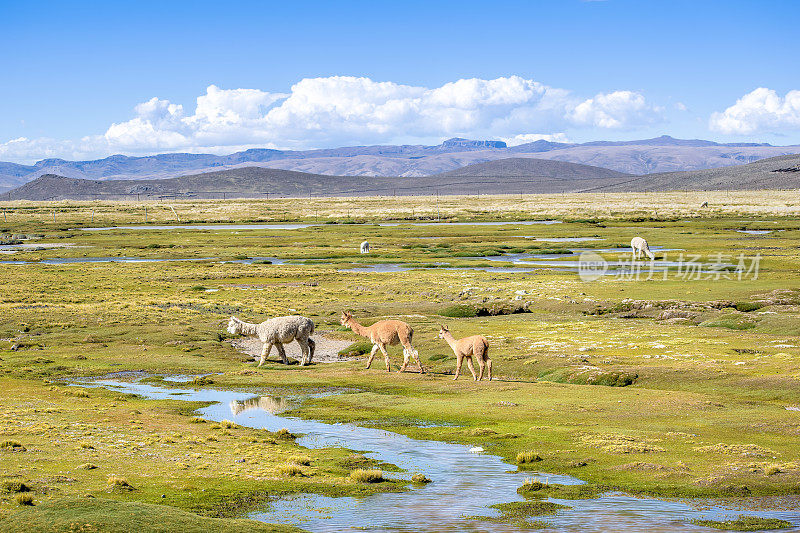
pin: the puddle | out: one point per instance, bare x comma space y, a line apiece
257, 260
564, 239
464, 484
755, 231
73, 260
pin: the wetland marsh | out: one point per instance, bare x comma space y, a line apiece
667, 386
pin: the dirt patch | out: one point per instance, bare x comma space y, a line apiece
327, 350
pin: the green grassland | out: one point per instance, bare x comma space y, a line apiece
668, 387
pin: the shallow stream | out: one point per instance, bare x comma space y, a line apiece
464, 484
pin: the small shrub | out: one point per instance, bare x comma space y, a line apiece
198, 288
119, 484
88, 466
772, 470
289, 471
300, 460
24, 499
459, 311
14, 486
197, 420
366, 476
285, 434
528, 457
12, 445
420, 478
227, 424
87, 446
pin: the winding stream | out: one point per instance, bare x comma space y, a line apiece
464, 484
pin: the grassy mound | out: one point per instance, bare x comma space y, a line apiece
120, 517
744, 523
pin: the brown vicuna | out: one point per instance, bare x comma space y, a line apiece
383, 333
475, 346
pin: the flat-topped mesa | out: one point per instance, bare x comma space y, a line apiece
457, 142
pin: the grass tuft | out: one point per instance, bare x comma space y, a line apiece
14, 486
24, 499
420, 478
528, 457
12, 445
289, 471
366, 476
300, 460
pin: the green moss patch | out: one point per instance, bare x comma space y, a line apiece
744, 523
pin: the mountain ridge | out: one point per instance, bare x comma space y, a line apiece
505, 176
659, 154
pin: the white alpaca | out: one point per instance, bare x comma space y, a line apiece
639, 246
365, 247
278, 331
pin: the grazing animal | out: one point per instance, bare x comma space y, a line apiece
365, 247
639, 246
277, 332
475, 346
383, 333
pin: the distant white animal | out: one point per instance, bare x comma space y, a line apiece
639, 246
365, 247
476, 449
278, 331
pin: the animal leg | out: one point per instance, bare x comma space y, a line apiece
311, 347
265, 352
282, 353
303, 352
406, 358
472, 368
372, 355
416, 358
459, 360
385, 356
489, 367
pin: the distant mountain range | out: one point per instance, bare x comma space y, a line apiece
662, 154
504, 176
521, 175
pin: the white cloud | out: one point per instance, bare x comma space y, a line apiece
761, 110
619, 109
524, 138
343, 110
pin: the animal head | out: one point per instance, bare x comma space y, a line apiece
233, 326
443, 331
345, 318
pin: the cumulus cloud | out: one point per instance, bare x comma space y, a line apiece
344, 110
524, 138
615, 110
762, 110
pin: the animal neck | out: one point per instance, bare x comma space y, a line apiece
358, 328
449, 339
246, 328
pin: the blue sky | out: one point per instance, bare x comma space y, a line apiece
74, 73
